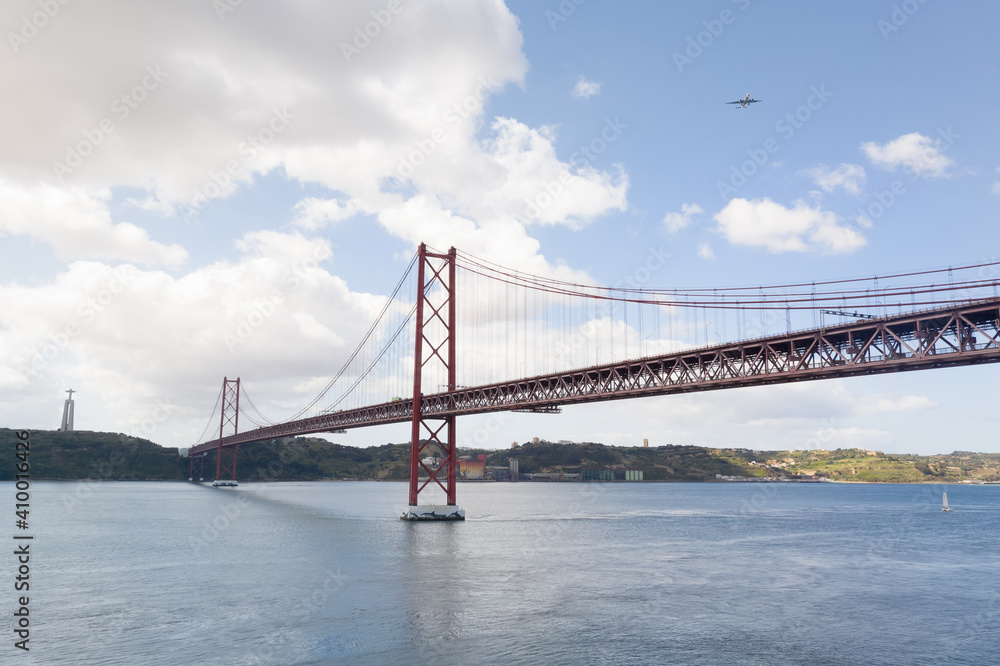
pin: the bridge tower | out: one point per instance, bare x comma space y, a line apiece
436, 330
230, 416
201, 466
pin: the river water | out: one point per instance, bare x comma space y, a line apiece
553, 573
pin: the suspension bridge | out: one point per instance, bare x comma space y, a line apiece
460, 335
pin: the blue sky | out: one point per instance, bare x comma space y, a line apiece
858, 98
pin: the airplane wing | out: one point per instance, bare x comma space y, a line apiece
743, 102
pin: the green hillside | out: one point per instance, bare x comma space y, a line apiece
97, 455
863, 465
662, 463
113, 456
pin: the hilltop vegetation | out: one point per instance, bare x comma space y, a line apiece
692, 463
662, 463
875, 466
97, 455
113, 456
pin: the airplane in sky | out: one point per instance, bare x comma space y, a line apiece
743, 102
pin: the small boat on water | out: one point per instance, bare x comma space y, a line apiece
944, 498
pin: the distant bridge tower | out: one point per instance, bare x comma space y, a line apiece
67, 419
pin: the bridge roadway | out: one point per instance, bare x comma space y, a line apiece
939, 338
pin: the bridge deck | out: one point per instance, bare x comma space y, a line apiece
952, 336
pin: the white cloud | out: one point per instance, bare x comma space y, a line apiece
502, 239
408, 114
127, 337
77, 224
805, 415
705, 252
906, 403
312, 213
914, 151
224, 79
585, 88
764, 223
851, 437
152, 205
677, 221
130, 336
481, 182
839, 401
851, 177
521, 176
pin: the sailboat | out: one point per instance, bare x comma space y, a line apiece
944, 498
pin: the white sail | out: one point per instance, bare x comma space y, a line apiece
944, 498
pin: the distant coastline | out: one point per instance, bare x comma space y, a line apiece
98, 456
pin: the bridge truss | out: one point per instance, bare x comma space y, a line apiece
959, 333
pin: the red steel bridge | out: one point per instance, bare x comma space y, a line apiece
582, 346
